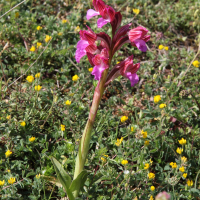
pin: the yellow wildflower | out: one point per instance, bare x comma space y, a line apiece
151, 198
189, 182
62, 127
179, 150
144, 134
152, 188
124, 162
30, 79
32, 139
32, 48
132, 129
2, 183
77, 29
39, 44
38, 87
196, 63
161, 47
64, 21
48, 38
118, 62
166, 48
146, 166
119, 141
173, 165
183, 159
68, 103
11, 180
90, 69
184, 175
23, 123
60, 33
39, 28
104, 159
146, 143
37, 75
157, 98
136, 11
8, 170
151, 175
124, 118
162, 105
182, 169
182, 141
16, 14
8, 117
8, 153
75, 78
151, 161
37, 176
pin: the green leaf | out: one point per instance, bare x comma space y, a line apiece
78, 183
63, 177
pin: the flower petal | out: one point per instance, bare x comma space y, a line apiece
132, 77
101, 22
97, 71
141, 45
82, 44
91, 13
79, 54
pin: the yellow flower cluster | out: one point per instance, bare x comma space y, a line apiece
151, 198
8, 153
163, 47
182, 141
144, 134
77, 29
32, 139
124, 162
152, 188
23, 123
39, 44
90, 69
136, 11
47, 38
32, 48
30, 78
183, 159
11, 180
146, 166
179, 150
68, 103
104, 159
64, 21
2, 183
124, 118
196, 63
162, 105
146, 142
184, 175
39, 28
132, 129
62, 127
190, 183
37, 75
173, 165
75, 78
157, 98
119, 141
38, 176
151, 175
8, 117
182, 169
38, 87
60, 33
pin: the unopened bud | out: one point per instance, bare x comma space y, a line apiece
163, 196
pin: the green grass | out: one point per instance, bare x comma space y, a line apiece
169, 74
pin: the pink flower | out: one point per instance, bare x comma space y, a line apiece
138, 38
101, 62
125, 68
107, 13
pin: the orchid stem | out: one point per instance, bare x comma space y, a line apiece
85, 141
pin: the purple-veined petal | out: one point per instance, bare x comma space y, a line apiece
101, 22
141, 45
91, 13
97, 71
132, 77
79, 54
82, 44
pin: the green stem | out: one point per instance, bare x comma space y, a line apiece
85, 141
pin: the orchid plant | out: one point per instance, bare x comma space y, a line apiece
100, 57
